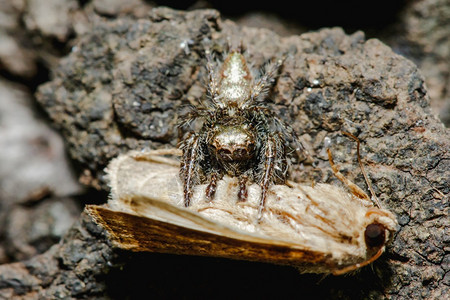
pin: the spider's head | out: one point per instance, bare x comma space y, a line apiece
233, 143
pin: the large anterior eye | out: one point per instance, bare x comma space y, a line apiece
375, 235
240, 152
224, 152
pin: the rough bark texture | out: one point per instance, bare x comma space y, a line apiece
121, 88
423, 35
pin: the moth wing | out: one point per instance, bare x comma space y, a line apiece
146, 213
158, 226
129, 175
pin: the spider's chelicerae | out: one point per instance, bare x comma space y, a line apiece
239, 136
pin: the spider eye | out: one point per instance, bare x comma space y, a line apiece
375, 235
223, 152
240, 152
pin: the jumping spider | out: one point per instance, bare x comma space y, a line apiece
240, 136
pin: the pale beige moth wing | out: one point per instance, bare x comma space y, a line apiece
320, 229
140, 233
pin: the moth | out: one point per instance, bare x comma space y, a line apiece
319, 229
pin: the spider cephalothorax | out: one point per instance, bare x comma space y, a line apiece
239, 135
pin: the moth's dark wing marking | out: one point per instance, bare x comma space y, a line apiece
142, 234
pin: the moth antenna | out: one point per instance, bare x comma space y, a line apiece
360, 265
356, 190
363, 171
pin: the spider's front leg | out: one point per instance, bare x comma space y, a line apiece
189, 168
275, 168
269, 161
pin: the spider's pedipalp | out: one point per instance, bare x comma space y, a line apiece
212, 186
243, 192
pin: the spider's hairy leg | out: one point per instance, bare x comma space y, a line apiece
266, 180
243, 192
189, 166
264, 82
282, 163
193, 113
213, 86
264, 114
212, 186
289, 132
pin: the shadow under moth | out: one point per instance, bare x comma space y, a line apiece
320, 229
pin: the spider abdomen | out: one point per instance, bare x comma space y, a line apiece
235, 84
